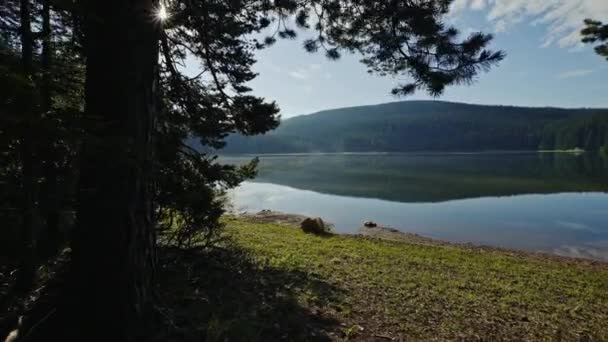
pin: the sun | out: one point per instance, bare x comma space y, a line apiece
161, 13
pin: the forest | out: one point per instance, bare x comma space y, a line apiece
432, 126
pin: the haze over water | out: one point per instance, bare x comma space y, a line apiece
547, 202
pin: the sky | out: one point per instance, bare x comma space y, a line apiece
546, 64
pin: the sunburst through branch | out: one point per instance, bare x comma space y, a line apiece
162, 14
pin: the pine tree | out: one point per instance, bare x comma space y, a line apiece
596, 32
113, 256
28, 156
38, 108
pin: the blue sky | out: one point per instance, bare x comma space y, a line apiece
545, 65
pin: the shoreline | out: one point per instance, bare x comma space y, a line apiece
394, 235
416, 289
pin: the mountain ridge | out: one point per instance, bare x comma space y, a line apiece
426, 125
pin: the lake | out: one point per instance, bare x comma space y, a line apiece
543, 202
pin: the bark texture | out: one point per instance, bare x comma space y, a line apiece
113, 254
52, 207
26, 274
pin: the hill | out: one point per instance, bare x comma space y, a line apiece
431, 126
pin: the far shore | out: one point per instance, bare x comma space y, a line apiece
431, 153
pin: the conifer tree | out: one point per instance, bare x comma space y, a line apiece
38, 107
596, 32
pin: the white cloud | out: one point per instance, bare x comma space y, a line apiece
304, 72
478, 4
500, 26
564, 18
299, 74
574, 73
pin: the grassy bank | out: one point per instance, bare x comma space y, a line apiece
408, 290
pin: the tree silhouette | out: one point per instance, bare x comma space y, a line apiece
596, 32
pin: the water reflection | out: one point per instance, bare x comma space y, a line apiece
538, 202
435, 178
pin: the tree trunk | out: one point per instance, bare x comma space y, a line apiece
52, 236
113, 255
26, 273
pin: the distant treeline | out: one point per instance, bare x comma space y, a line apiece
431, 126
588, 132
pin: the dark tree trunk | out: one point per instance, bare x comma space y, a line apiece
52, 236
113, 254
26, 274
47, 54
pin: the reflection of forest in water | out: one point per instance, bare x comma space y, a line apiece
435, 177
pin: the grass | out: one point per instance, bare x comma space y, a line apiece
356, 288
272, 282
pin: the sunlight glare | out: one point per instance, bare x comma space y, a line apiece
162, 14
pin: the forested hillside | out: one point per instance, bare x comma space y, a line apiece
586, 132
431, 126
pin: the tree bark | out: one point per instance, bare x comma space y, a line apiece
26, 273
52, 236
113, 247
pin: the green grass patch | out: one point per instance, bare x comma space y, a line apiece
376, 289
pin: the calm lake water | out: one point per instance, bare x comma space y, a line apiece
556, 203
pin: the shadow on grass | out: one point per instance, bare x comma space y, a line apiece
216, 295
223, 296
